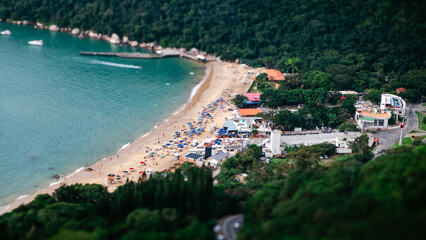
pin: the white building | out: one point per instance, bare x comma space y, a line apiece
393, 103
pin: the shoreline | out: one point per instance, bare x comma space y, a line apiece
208, 89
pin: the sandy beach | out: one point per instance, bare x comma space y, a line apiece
222, 80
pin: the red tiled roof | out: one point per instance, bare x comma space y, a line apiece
401, 89
274, 75
249, 112
253, 97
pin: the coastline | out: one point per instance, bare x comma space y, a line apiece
218, 77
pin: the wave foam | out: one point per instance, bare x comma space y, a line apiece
21, 197
124, 146
116, 64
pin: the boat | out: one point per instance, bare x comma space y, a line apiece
36, 42
5, 32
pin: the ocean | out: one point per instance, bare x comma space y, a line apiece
60, 111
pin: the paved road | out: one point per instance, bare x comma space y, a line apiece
389, 137
228, 229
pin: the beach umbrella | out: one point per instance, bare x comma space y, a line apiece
142, 162
111, 175
125, 171
168, 144
164, 146
131, 168
171, 141
141, 172
185, 144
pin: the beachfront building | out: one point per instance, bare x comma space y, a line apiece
253, 100
250, 112
278, 142
390, 102
275, 76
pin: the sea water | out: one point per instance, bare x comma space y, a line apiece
60, 111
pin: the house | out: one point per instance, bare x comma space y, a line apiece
372, 119
193, 157
390, 102
400, 90
274, 75
217, 159
251, 112
254, 98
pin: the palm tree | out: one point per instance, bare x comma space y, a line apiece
292, 62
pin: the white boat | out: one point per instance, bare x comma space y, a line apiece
36, 42
5, 32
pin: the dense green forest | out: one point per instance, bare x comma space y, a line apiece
358, 45
356, 198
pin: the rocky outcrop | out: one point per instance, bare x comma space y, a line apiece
54, 28
134, 43
75, 31
56, 176
115, 39
125, 40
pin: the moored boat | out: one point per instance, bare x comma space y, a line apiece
36, 42
5, 32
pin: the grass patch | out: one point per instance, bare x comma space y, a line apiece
343, 157
421, 116
405, 142
424, 104
278, 160
414, 131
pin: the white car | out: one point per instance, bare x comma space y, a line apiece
236, 225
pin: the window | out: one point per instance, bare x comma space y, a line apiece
381, 122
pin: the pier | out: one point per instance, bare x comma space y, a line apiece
164, 54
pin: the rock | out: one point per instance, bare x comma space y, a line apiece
142, 45
25, 23
56, 176
105, 37
134, 43
92, 34
75, 31
18, 22
115, 39
89, 169
81, 36
125, 40
50, 168
54, 28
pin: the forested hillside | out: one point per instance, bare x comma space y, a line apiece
298, 199
357, 44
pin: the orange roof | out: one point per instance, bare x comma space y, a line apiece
274, 75
401, 89
249, 112
374, 114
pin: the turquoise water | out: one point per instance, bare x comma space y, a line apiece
60, 111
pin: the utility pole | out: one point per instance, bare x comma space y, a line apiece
400, 137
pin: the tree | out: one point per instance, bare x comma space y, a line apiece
239, 100
292, 63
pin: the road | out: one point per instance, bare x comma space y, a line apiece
389, 137
228, 229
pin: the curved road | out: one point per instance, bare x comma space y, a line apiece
228, 229
389, 137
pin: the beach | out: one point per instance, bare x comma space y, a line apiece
222, 81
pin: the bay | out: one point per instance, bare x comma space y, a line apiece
60, 111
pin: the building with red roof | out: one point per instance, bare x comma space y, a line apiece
274, 75
253, 97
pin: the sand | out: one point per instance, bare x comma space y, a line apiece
222, 78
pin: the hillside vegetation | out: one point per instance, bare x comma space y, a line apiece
297, 199
358, 45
